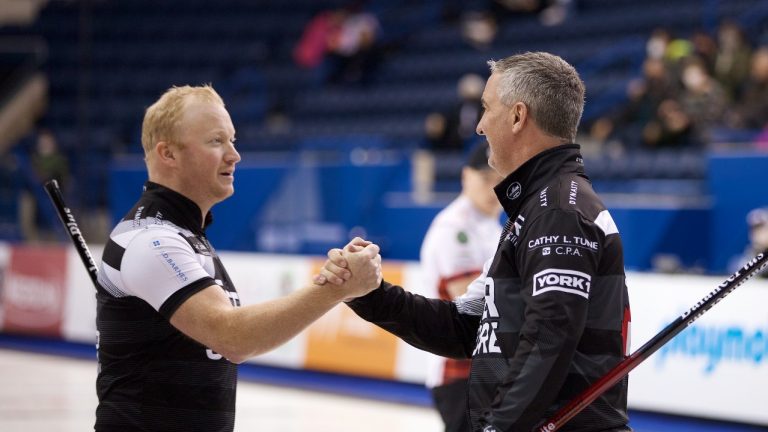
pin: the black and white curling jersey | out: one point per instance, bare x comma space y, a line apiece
151, 376
548, 316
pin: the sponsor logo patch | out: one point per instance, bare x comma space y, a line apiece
568, 281
573, 193
568, 243
487, 342
462, 237
514, 190
198, 245
137, 217
543, 197
514, 228
175, 268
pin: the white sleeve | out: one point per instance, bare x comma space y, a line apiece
476, 289
157, 263
429, 263
444, 255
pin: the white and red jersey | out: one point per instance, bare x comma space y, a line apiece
459, 241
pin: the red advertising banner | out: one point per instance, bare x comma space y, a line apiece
34, 290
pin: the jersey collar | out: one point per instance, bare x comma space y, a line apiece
535, 174
182, 208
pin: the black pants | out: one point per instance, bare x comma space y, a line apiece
451, 402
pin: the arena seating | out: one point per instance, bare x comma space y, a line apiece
244, 48
109, 59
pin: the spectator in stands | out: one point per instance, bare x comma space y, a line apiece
47, 163
750, 111
315, 39
556, 12
461, 238
644, 96
702, 99
757, 221
478, 28
481, 21
732, 62
670, 127
657, 44
704, 47
678, 50
662, 110
353, 48
447, 133
454, 129
551, 12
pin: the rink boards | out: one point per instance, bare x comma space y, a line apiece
717, 368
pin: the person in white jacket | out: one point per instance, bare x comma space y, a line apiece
460, 239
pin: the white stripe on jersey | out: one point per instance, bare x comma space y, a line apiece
106, 275
156, 262
606, 223
473, 301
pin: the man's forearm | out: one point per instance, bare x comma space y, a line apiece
428, 324
259, 328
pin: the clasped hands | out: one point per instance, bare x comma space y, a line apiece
355, 270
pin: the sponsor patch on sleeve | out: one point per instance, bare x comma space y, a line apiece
568, 281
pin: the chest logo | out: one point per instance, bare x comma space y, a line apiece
462, 237
486, 334
198, 245
567, 281
514, 228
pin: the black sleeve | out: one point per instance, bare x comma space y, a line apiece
558, 258
428, 324
173, 302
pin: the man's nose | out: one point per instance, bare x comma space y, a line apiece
233, 156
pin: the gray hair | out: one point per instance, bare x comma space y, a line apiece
548, 86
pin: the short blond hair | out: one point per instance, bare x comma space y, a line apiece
161, 120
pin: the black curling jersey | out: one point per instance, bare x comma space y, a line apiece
548, 316
151, 376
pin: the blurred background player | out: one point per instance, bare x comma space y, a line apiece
757, 221
460, 239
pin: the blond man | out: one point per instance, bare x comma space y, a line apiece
171, 326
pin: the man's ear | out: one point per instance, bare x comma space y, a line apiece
165, 153
519, 116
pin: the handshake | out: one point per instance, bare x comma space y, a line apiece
354, 270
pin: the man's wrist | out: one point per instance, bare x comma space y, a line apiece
334, 293
365, 296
